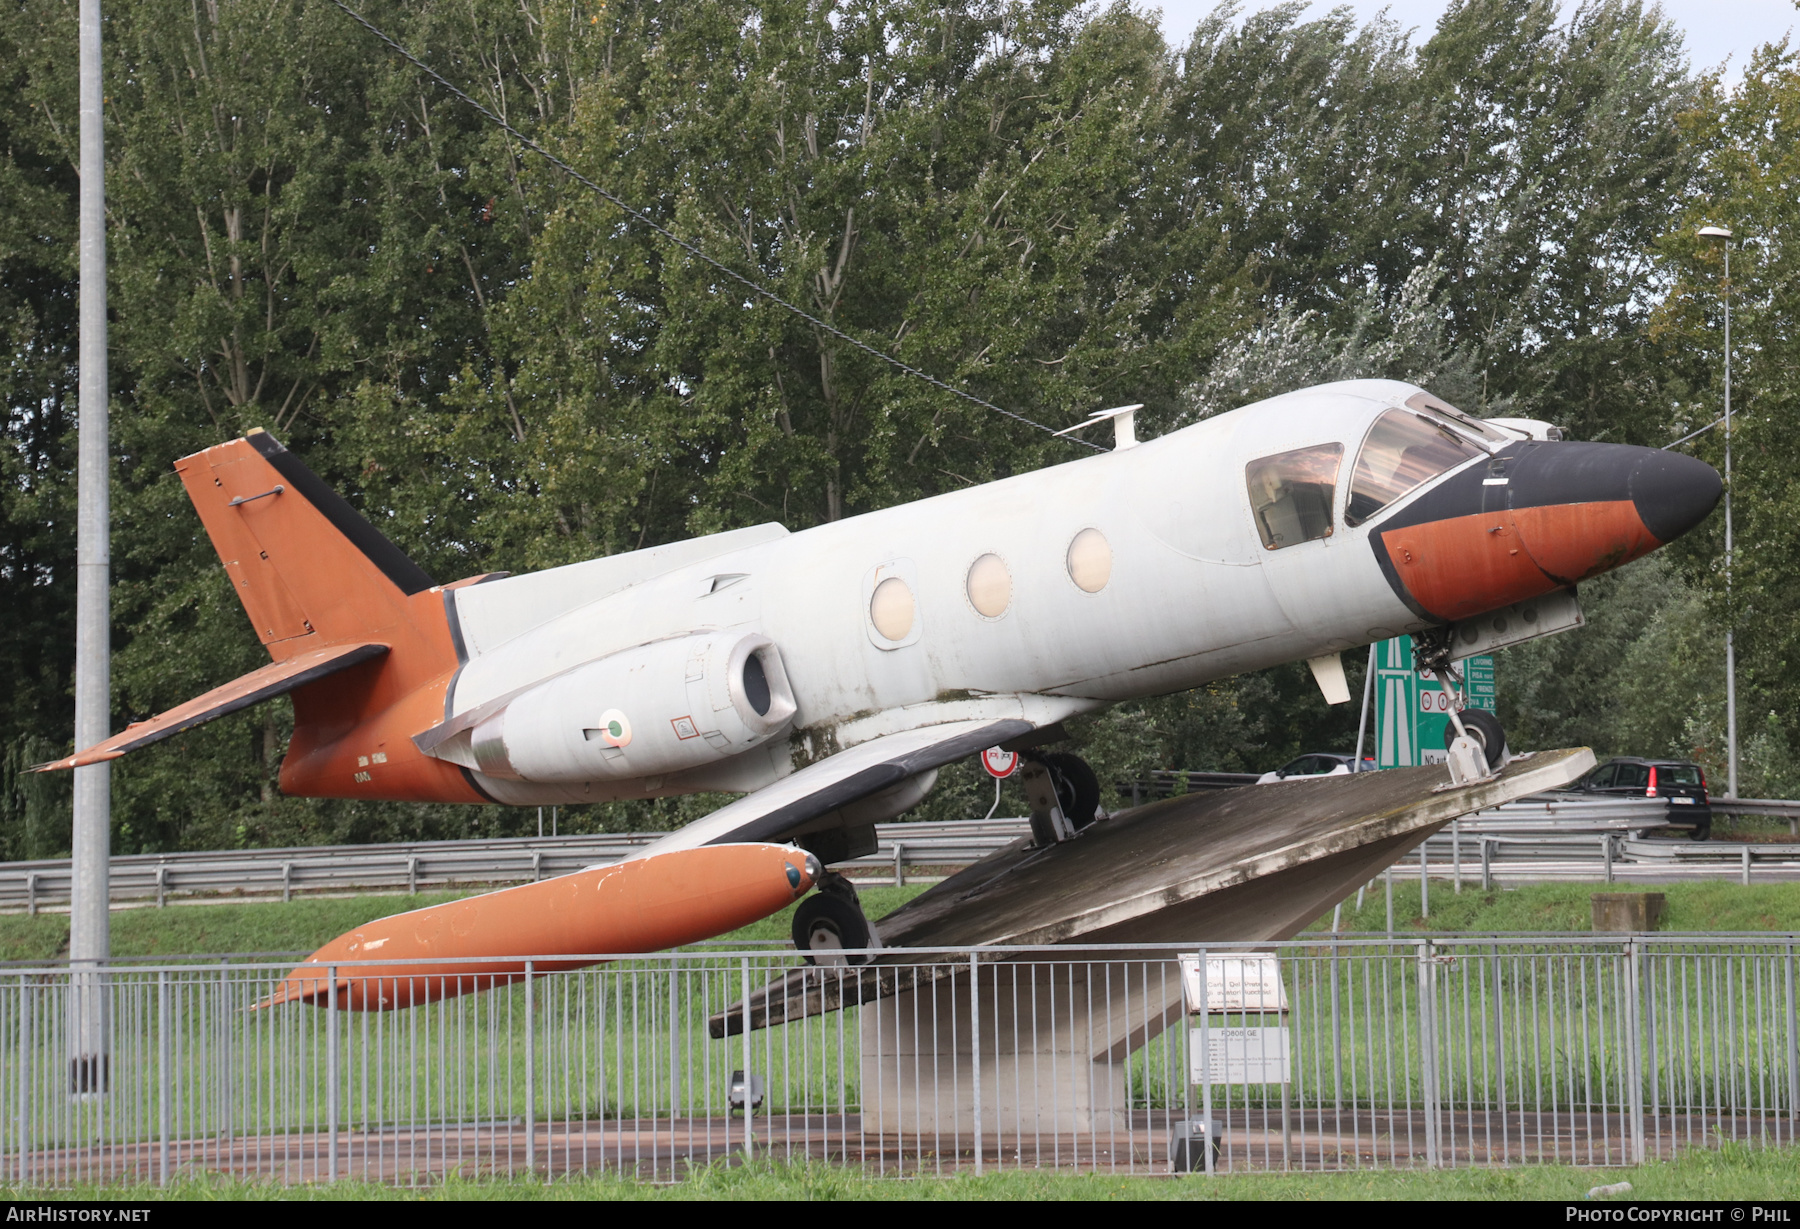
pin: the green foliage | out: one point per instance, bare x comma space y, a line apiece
1750, 170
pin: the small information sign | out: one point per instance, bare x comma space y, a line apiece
1250, 983
1250, 1055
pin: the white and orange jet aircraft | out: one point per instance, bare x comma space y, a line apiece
827, 675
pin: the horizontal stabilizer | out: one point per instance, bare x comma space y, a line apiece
275, 679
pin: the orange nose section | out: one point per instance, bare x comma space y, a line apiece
1572, 542
1537, 517
1467, 565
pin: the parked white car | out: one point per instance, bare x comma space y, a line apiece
1321, 764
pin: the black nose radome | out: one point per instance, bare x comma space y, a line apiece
1673, 493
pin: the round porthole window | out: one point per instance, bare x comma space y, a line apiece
1090, 561
891, 608
990, 586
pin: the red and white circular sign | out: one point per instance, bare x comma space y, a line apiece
1000, 763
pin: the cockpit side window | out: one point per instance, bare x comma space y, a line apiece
1291, 494
1402, 451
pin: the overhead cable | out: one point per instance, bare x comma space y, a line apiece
690, 248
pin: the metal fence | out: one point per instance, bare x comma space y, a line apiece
1314, 1055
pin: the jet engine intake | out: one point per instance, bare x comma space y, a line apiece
663, 707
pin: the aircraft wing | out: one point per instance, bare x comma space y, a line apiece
774, 811
275, 679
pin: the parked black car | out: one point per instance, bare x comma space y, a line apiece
1683, 784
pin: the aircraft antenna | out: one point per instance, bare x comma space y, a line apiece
690, 248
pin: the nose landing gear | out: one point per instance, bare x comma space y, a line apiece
1483, 728
1475, 742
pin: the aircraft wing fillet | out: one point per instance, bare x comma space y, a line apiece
774, 811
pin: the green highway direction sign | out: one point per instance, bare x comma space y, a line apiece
1411, 711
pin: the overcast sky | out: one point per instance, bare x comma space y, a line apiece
1716, 30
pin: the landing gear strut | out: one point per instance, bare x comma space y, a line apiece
1063, 794
1475, 742
830, 923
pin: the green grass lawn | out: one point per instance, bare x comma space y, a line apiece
1733, 1172
1712, 905
303, 925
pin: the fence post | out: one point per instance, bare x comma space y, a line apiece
899, 865
412, 876
1487, 865
1606, 854
744, 998
1793, 1040
975, 1048
31, 894
1456, 856
24, 1078
162, 883
163, 1061
1746, 852
1206, 1118
331, 1071
1428, 1052
530, 1066
287, 881
1337, 1038
1634, 1053
223, 1024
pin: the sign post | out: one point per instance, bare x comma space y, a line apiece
1255, 1050
999, 765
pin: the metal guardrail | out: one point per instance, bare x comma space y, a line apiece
418, 866
1527, 848
425, 865
1334, 1053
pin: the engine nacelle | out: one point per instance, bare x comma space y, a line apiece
659, 708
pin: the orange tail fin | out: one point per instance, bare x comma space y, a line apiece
301, 559
364, 640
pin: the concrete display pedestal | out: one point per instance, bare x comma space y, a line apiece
1050, 1052
1053, 1035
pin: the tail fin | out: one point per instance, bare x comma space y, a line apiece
308, 567
362, 638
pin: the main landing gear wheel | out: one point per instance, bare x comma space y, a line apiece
1485, 729
1077, 788
830, 923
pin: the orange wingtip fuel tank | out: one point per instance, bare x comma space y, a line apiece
642, 905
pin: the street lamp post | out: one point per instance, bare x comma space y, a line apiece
90, 940
1723, 234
